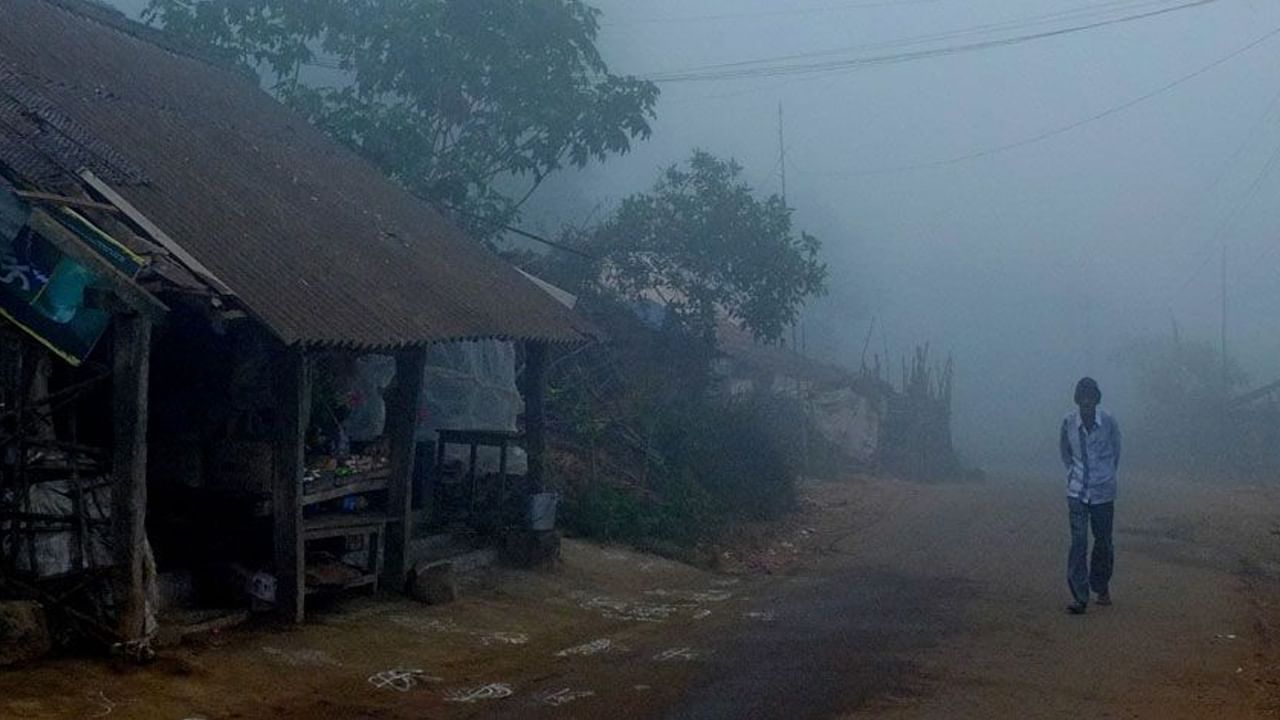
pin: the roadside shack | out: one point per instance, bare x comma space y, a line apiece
242, 310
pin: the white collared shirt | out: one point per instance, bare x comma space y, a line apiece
1091, 457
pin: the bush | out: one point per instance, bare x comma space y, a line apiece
646, 448
716, 464
1182, 420
729, 451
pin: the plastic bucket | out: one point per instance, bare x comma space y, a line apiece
542, 511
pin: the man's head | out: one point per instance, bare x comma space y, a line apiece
1088, 395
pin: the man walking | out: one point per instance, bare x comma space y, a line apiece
1090, 443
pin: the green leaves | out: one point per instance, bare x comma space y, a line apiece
704, 245
453, 98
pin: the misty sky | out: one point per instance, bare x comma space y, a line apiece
1032, 266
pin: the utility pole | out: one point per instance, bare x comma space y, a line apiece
799, 343
803, 388
782, 154
782, 171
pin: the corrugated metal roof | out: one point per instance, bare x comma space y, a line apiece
315, 241
45, 145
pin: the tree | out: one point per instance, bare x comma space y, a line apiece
1180, 377
469, 103
704, 245
1182, 401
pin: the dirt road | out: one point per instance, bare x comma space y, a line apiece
950, 606
902, 600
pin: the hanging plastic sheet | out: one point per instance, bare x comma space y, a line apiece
370, 379
472, 386
54, 550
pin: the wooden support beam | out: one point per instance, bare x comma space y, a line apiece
131, 369
293, 380
154, 232
535, 392
402, 428
65, 201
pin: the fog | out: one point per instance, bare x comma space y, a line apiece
1027, 208
1032, 265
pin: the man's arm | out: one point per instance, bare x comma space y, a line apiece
1064, 445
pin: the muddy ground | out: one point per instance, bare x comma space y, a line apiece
880, 598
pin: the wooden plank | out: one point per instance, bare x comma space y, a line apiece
402, 426
26, 376
131, 371
362, 581
535, 392
435, 481
473, 476
81, 547
293, 379
355, 522
160, 236
134, 295
367, 482
63, 200
502, 473
493, 438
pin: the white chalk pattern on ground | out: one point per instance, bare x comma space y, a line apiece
107, 705
503, 638
564, 697
492, 691
674, 654
436, 625
691, 597
400, 679
615, 609
299, 658
595, 647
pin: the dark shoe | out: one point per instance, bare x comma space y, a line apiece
1104, 599
1077, 608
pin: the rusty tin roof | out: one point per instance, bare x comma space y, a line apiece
316, 242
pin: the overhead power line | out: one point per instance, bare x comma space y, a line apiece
1040, 137
1228, 223
1095, 10
785, 67
826, 9
1207, 251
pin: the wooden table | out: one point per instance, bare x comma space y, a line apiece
475, 439
372, 526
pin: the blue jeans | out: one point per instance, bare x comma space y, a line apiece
1093, 574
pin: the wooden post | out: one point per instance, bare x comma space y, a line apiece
402, 427
129, 473
473, 479
535, 385
294, 383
